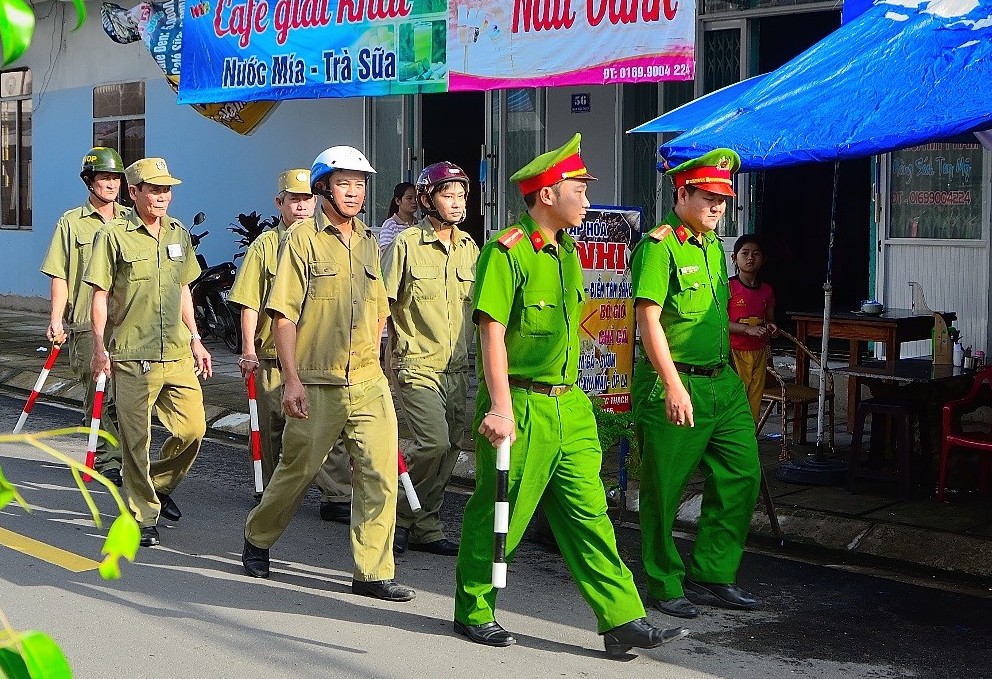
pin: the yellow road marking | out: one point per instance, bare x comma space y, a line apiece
45, 552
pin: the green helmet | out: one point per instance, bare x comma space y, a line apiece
101, 159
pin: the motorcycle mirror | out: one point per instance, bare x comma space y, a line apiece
199, 218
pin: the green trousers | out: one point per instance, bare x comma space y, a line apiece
723, 447
434, 406
173, 390
334, 477
555, 461
108, 456
363, 415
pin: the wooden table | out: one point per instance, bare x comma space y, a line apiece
891, 328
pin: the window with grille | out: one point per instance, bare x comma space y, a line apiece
15, 149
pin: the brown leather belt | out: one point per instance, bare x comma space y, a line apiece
687, 369
540, 388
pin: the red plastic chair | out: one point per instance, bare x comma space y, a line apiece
952, 437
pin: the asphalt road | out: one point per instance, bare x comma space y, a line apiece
185, 610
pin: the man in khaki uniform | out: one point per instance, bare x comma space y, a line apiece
429, 272
251, 289
143, 331
329, 307
68, 255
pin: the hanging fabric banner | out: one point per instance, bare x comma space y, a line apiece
251, 50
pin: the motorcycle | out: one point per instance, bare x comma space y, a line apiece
214, 315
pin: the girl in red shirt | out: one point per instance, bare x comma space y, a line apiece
752, 319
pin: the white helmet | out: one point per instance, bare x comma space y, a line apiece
339, 158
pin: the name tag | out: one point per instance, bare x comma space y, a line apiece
175, 250
683, 270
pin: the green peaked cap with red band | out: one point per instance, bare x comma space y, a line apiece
552, 167
710, 172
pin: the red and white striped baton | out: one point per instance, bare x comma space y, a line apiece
101, 387
411, 492
501, 522
56, 348
256, 439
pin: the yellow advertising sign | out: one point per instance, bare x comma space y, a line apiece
606, 327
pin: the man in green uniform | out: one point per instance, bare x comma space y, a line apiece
144, 332
528, 299
251, 288
686, 396
429, 271
68, 255
329, 307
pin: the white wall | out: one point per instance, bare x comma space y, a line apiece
223, 173
597, 127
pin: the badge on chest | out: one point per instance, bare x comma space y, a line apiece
175, 250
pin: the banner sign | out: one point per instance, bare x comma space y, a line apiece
606, 326
159, 26
251, 50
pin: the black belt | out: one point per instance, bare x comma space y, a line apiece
540, 388
687, 369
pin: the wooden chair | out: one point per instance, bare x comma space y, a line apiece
952, 437
786, 394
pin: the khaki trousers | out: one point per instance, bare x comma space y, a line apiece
751, 367
334, 477
363, 415
434, 406
108, 456
172, 388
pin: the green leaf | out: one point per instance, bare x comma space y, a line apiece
16, 28
122, 540
8, 492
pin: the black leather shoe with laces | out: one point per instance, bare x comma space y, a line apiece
444, 547
149, 536
339, 512
169, 509
721, 595
679, 607
255, 560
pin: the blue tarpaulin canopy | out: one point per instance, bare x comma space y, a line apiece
903, 73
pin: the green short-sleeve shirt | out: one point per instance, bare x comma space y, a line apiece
686, 276
144, 277
334, 294
536, 292
430, 291
254, 280
67, 257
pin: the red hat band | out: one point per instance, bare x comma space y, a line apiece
569, 167
703, 175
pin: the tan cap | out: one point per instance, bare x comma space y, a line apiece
295, 181
151, 171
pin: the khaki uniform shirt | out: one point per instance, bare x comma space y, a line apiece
686, 276
251, 287
68, 255
536, 292
144, 277
334, 294
430, 294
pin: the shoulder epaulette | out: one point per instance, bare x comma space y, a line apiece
660, 232
511, 237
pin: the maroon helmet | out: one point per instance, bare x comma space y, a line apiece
434, 175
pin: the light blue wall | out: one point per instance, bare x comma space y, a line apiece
223, 173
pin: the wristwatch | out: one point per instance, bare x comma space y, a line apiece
195, 338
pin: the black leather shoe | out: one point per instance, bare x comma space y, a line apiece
487, 634
401, 540
114, 476
169, 509
255, 560
679, 607
387, 590
444, 547
724, 596
639, 634
339, 512
149, 536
